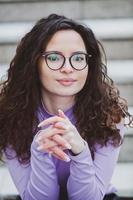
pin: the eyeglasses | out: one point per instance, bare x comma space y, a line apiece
56, 60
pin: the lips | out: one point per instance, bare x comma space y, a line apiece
66, 81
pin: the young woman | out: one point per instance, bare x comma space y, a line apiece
61, 117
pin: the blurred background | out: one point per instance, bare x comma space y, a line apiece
112, 23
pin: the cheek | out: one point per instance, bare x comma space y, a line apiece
44, 74
83, 76
45, 80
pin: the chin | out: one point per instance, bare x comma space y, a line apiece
65, 94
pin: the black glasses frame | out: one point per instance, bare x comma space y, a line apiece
78, 52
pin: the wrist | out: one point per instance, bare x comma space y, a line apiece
78, 150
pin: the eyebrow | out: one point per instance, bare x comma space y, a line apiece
47, 52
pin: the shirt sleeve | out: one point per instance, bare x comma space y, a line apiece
36, 180
89, 179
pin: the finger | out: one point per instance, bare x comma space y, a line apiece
60, 125
56, 140
68, 137
41, 132
60, 158
49, 144
47, 149
51, 120
61, 114
48, 134
61, 154
57, 152
61, 141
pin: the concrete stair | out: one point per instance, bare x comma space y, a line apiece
123, 184
114, 34
112, 22
6, 184
22, 10
123, 179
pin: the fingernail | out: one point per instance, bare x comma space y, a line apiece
67, 159
39, 148
59, 110
62, 124
50, 153
38, 139
68, 146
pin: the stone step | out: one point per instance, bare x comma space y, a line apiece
126, 91
113, 50
113, 35
7, 187
121, 71
122, 49
122, 179
18, 10
109, 29
126, 154
112, 38
120, 29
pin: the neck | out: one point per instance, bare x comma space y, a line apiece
52, 104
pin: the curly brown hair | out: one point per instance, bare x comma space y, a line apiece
98, 106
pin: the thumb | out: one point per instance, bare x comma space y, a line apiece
61, 113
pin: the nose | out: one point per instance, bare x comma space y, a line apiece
67, 68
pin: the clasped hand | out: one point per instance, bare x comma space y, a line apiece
59, 135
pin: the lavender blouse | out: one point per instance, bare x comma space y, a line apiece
47, 178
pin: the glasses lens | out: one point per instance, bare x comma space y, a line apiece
79, 61
54, 60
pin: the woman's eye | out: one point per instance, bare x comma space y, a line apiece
78, 58
53, 57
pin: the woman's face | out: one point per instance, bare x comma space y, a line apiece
66, 81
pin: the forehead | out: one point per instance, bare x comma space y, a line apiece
66, 39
